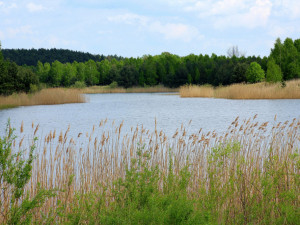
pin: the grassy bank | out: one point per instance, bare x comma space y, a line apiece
108, 89
249, 175
291, 90
49, 96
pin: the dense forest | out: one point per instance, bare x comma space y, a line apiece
167, 69
30, 57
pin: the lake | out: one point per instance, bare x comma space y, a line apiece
169, 110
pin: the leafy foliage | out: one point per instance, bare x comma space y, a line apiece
15, 172
274, 72
255, 73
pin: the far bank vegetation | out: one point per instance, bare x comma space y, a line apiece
287, 90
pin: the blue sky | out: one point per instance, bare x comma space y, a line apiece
139, 27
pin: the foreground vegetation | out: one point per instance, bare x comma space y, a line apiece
287, 90
248, 175
49, 96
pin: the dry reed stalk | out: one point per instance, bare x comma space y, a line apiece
49, 96
196, 91
232, 165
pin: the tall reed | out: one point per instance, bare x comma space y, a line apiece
49, 96
247, 175
245, 91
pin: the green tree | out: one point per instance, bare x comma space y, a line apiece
277, 52
239, 73
197, 76
80, 71
43, 71
290, 65
255, 73
69, 75
273, 72
55, 73
91, 73
149, 70
104, 67
129, 76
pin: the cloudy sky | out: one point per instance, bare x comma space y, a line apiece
138, 27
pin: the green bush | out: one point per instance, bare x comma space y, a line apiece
33, 88
113, 84
274, 72
79, 84
15, 172
255, 73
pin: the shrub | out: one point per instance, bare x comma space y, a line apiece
15, 172
113, 84
79, 84
255, 73
273, 72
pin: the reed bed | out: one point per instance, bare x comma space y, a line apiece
204, 91
49, 96
107, 89
246, 91
247, 175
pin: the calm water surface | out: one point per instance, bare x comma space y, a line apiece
170, 111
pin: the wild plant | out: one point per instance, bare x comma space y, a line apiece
15, 172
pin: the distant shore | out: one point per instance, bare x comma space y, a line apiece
52, 96
108, 89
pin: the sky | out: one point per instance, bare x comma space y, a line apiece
134, 28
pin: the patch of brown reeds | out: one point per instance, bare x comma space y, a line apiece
49, 96
204, 91
107, 89
246, 91
230, 169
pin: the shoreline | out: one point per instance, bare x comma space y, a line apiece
258, 91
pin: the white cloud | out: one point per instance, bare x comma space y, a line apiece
257, 16
129, 18
178, 31
289, 8
221, 7
233, 13
32, 7
6, 8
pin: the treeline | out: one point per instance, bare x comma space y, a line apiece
30, 57
173, 71
167, 69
